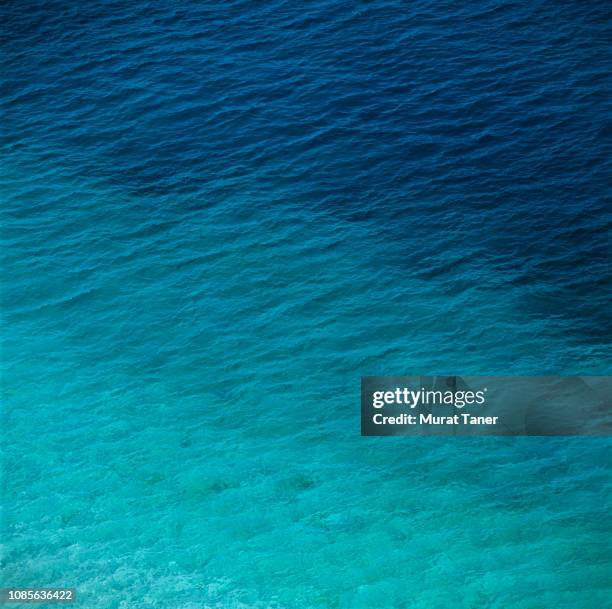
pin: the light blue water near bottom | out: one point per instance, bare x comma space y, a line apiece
181, 414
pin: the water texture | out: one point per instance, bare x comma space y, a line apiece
217, 216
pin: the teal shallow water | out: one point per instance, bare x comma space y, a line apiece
193, 441
216, 218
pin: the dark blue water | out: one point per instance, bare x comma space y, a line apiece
217, 216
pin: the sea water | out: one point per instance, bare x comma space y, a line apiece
216, 217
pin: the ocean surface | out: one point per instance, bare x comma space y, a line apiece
217, 216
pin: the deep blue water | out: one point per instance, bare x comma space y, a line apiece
217, 216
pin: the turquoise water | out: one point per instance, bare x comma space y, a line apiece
216, 219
